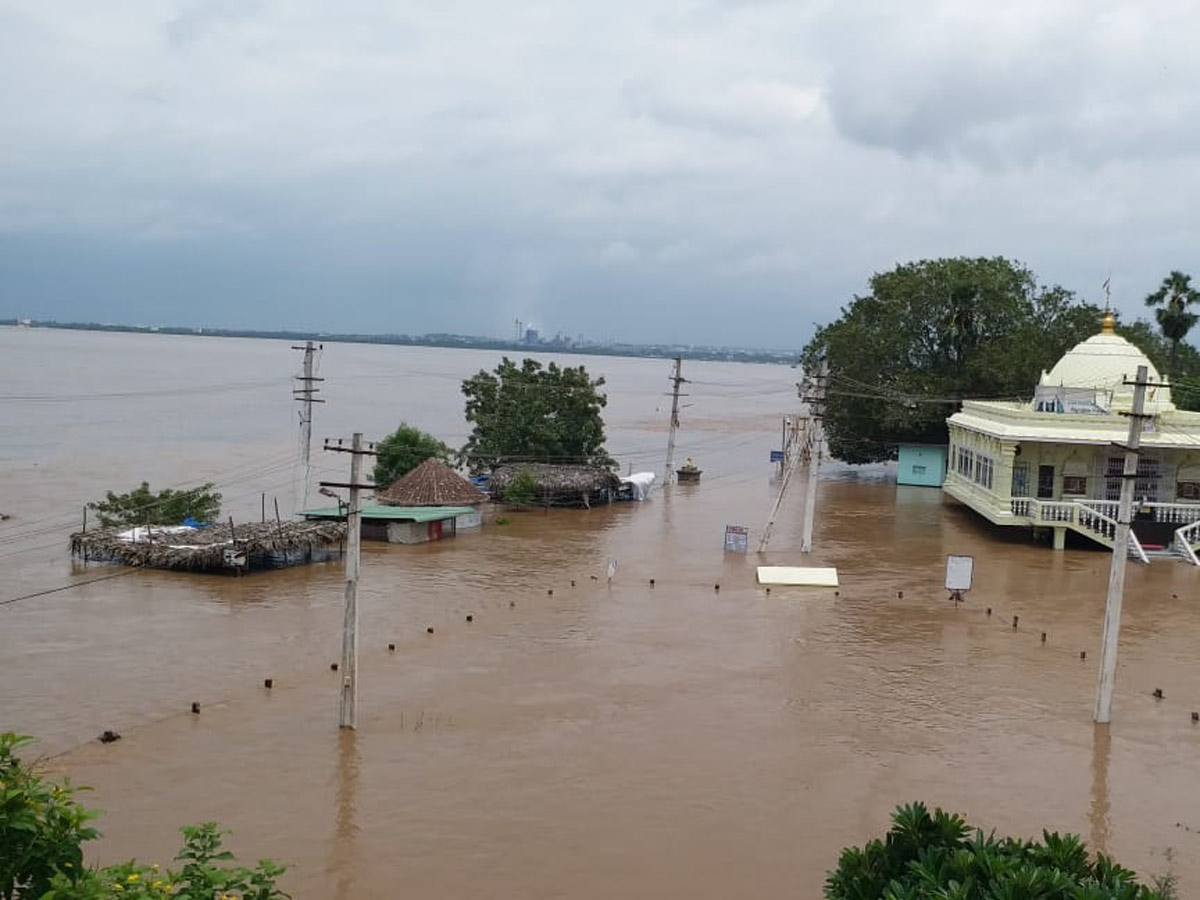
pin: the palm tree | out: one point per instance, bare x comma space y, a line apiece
1171, 302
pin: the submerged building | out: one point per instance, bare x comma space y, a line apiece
1057, 461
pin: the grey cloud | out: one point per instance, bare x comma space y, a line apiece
451, 166
1080, 82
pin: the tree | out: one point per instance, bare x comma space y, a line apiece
167, 507
933, 332
1172, 303
1185, 383
527, 413
405, 449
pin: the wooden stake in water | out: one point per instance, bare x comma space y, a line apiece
1120, 554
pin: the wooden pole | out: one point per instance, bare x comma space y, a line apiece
264, 507
1120, 555
348, 714
85, 550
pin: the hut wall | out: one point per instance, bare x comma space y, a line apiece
472, 519
420, 532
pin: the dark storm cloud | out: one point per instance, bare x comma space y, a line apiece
705, 171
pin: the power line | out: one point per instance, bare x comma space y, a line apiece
72, 585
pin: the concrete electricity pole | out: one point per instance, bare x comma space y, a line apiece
305, 393
348, 707
1120, 554
677, 380
816, 441
791, 455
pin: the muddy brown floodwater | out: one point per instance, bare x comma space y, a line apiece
630, 740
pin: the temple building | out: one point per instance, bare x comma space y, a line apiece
1056, 461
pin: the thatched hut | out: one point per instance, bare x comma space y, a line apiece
432, 483
214, 548
559, 485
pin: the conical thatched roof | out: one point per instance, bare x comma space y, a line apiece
432, 483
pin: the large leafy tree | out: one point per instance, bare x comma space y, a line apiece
929, 333
531, 413
1172, 304
405, 449
166, 507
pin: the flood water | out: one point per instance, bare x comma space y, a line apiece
625, 740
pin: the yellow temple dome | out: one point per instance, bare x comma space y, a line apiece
1102, 364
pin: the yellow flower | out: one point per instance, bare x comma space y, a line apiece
132, 878
117, 887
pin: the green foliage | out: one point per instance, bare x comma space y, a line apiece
1172, 304
168, 507
936, 857
405, 449
932, 332
42, 825
521, 490
43, 828
1183, 357
532, 413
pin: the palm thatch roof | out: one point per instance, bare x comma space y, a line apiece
556, 483
432, 483
212, 548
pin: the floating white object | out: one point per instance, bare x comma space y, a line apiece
797, 575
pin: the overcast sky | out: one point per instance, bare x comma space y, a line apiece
717, 171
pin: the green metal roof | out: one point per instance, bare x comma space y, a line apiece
394, 513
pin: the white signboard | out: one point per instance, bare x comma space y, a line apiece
958, 572
737, 538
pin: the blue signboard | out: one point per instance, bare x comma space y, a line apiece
776, 456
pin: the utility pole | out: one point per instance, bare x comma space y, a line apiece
1120, 555
348, 707
816, 440
791, 456
677, 379
305, 393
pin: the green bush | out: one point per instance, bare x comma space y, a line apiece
936, 857
521, 490
167, 507
43, 829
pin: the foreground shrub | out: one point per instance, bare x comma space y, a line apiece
43, 829
925, 856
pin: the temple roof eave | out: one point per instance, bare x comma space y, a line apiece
1014, 422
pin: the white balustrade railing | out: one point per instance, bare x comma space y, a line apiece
1187, 539
1175, 513
1098, 523
1104, 507
1089, 516
1056, 511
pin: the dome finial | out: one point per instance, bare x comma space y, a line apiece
1108, 325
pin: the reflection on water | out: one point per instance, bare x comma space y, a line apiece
1101, 749
637, 740
343, 859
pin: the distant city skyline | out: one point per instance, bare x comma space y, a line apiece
720, 172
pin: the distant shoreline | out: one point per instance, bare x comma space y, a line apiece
469, 342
